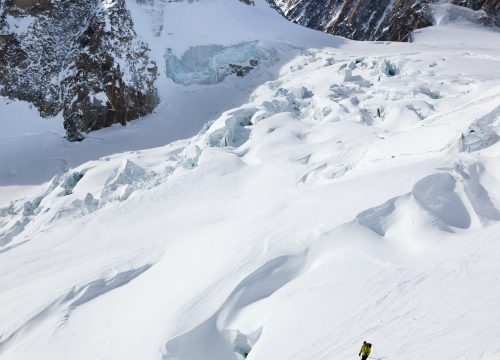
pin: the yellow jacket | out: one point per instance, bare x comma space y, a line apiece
365, 350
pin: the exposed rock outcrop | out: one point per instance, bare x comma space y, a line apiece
79, 57
374, 19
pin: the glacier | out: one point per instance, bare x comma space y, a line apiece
211, 64
341, 191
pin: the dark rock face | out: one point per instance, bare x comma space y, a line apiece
380, 19
79, 57
373, 19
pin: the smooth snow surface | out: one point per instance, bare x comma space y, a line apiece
342, 192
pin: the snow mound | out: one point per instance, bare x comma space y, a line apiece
126, 179
442, 201
235, 131
436, 194
219, 336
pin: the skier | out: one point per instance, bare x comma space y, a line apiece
365, 350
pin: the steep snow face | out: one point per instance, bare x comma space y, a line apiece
376, 19
345, 199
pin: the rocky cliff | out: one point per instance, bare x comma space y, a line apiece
375, 19
79, 57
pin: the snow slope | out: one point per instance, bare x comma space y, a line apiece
346, 192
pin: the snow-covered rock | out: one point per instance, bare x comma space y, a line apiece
377, 19
82, 58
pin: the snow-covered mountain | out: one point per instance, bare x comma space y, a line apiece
292, 194
378, 19
90, 61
